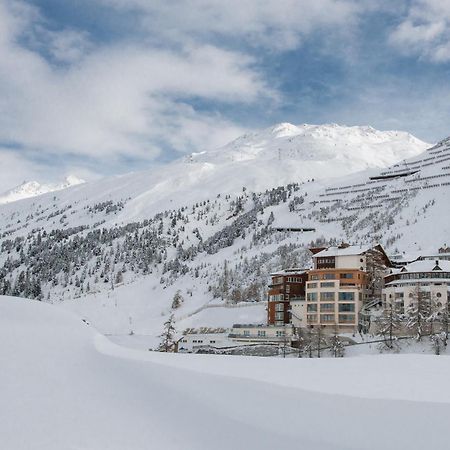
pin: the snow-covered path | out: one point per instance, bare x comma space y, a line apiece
63, 386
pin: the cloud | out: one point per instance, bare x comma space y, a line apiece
275, 24
425, 31
123, 99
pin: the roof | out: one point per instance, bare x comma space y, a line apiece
427, 265
344, 251
293, 271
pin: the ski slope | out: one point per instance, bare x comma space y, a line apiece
65, 386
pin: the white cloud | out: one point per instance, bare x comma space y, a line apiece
425, 31
117, 100
275, 24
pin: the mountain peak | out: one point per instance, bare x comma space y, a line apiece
33, 188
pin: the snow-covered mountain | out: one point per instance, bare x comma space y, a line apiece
33, 188
117, 250
348, 149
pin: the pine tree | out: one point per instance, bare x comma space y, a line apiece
177, 300
168, 342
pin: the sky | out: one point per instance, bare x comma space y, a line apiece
100, 87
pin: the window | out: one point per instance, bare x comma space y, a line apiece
279, 315
328, 276
288, 288
346, 296
311, 318
312, 296
312, 285
326, 307
311, 308
327, 296
327, 284
314, 277
246, 333
261, 333
279, 307
346, 318
280, 333
346, 275
347, 307
327, 317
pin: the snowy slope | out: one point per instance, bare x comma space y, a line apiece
118, 250
67, 387
33, 189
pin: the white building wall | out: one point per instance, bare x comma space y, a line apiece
191, 341
351, 262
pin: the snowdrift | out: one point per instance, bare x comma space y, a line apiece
65, 386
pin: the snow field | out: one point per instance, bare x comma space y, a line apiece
68, 387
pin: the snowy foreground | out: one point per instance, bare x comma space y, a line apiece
65, 386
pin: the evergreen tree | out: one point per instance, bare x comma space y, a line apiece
177, 300
168, 342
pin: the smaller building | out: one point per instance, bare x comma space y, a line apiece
286, 286
430, 278
194, 339
261, 334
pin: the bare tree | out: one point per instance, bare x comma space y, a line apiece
418, 313
337, 347
388, 324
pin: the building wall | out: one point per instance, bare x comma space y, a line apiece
402, 297
333, 296
191, 341
284, 288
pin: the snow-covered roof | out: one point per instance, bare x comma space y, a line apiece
427, 265
293, 271
343, 251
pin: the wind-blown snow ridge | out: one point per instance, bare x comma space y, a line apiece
33, 188
58, 381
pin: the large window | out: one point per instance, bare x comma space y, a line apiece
329, 276
312, 285
327, 318
346, 275
311, 318
312, 307
279, 307
346, 318
279, 315
327, 284
347, 307
312, 296
326, 307
327, 296
346, 296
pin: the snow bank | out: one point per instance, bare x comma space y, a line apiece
66, 387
